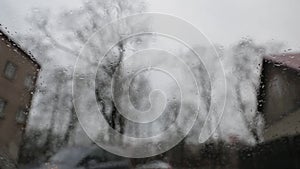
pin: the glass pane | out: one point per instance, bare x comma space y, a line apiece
29, 82
10, 70
149, 84
2, 107
21, 116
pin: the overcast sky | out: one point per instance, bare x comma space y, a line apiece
224, 22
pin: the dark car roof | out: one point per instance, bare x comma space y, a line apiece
71, 155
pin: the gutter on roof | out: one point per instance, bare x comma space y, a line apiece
289, 60
7, 39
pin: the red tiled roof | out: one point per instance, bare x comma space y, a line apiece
291, 60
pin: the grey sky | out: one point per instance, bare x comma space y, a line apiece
227, 21
224, 22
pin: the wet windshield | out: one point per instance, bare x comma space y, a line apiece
89, 84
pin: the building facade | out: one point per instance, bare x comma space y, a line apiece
279, 103
280, 96
18, 74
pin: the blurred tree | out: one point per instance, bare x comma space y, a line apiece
246, 61
57, 40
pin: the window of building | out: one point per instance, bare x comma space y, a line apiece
10, 70
21, 116
29, 81
2, 107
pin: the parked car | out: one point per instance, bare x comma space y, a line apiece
157, 164
86, 158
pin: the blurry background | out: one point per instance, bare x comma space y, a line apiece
242, 32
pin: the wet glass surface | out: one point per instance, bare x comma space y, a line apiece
149, 84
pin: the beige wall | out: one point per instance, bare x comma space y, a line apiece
288, 126
282, 101
282, 93
15, 94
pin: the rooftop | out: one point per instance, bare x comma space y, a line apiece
8, 40
290, 60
